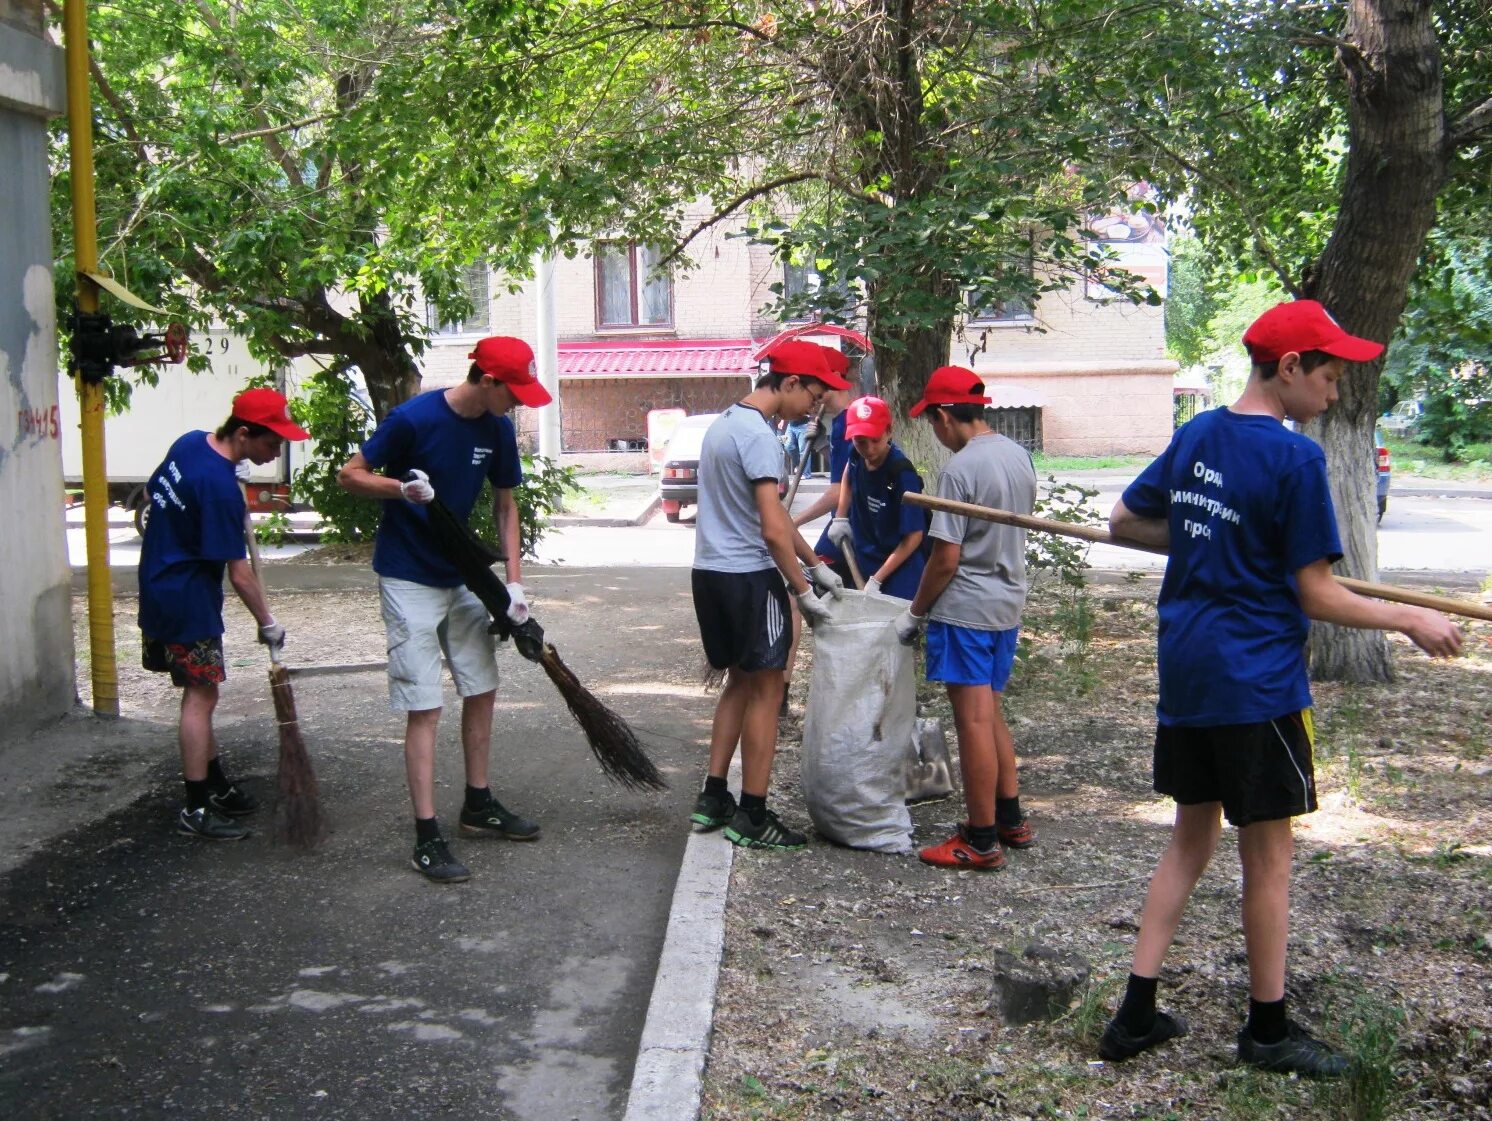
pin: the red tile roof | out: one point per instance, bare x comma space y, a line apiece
657, 358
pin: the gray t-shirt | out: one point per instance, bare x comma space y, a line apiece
988, 592
739, 449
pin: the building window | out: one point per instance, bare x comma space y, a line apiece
807, 296
1013, 309
474, 281
628, 291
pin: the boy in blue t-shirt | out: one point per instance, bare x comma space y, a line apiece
195, 531
1242, 504
884, 533
448, 442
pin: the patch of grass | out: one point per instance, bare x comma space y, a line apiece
1246, 1094
1411, 457
1341, 741
1372, 1030
1087, 1019
1076, 463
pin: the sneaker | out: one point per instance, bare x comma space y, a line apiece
770, 833
1119, 1043
210, 825
713, 810
957, 852
1298, 1053
496, 820
233, 802
433, 860
1020, 836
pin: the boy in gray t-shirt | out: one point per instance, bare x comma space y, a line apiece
973, 590
745, 546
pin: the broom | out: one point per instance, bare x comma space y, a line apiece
1104, 537
611, 740
298, 818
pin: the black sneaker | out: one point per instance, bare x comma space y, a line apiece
1298, 1053
433, 860
768, 834
233, 802
210, 825
713, 810
496, 820
1119, 1043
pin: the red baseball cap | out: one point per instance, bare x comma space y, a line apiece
867, 416
1302, 325
838, 361
805, 359
511, 361
950, 385
269, 408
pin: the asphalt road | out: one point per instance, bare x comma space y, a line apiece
148, 975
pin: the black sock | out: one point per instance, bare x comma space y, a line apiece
217, 781
196, 793
715, 786
755, 806
1267, 1020
477, 797
1137, 1011
985, 838
426, 829
1008, 812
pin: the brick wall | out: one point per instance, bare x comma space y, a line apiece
599, 410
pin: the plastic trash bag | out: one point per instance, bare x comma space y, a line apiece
929, 770
857, 732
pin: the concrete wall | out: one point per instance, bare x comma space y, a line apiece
36, 660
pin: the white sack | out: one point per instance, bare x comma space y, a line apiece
857, 733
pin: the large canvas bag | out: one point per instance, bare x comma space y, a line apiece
857, 733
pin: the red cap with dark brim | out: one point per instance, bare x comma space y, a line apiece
951, 385
511, 361
1302, 325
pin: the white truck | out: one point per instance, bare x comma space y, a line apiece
136, 440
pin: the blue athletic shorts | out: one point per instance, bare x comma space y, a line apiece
964, 656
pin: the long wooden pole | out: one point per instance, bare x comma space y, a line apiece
1104, 537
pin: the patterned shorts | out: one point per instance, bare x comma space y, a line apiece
188, 663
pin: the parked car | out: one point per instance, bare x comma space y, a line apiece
1384, 464
1402, 419
679, 485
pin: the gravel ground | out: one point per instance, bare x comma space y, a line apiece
858, 985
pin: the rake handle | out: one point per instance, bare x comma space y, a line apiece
1097, 536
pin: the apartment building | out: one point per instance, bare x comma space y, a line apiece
1079, 373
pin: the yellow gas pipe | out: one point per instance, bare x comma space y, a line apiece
90, 394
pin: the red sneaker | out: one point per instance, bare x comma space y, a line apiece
1020, 836
956, 852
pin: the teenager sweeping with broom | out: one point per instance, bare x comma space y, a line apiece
195, 530
745, 547
448, 442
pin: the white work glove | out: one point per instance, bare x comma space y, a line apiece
825, 579
873, 586
813, 609
272, 634
907, 625
517, 604
417, 489
841, 534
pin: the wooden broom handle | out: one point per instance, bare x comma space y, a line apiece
1104, 537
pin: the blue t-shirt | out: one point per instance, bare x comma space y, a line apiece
457, 453
196, 527
1248, 506
880, 519
839, 458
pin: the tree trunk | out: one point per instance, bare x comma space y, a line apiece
904, 356
1397, 163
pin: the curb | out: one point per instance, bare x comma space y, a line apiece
668, 1077
567, 520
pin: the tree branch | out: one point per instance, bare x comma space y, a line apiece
1472, 126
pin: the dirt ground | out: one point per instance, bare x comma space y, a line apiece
858, 985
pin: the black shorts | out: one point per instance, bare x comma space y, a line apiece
1259, 772
188, 663
744, 620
